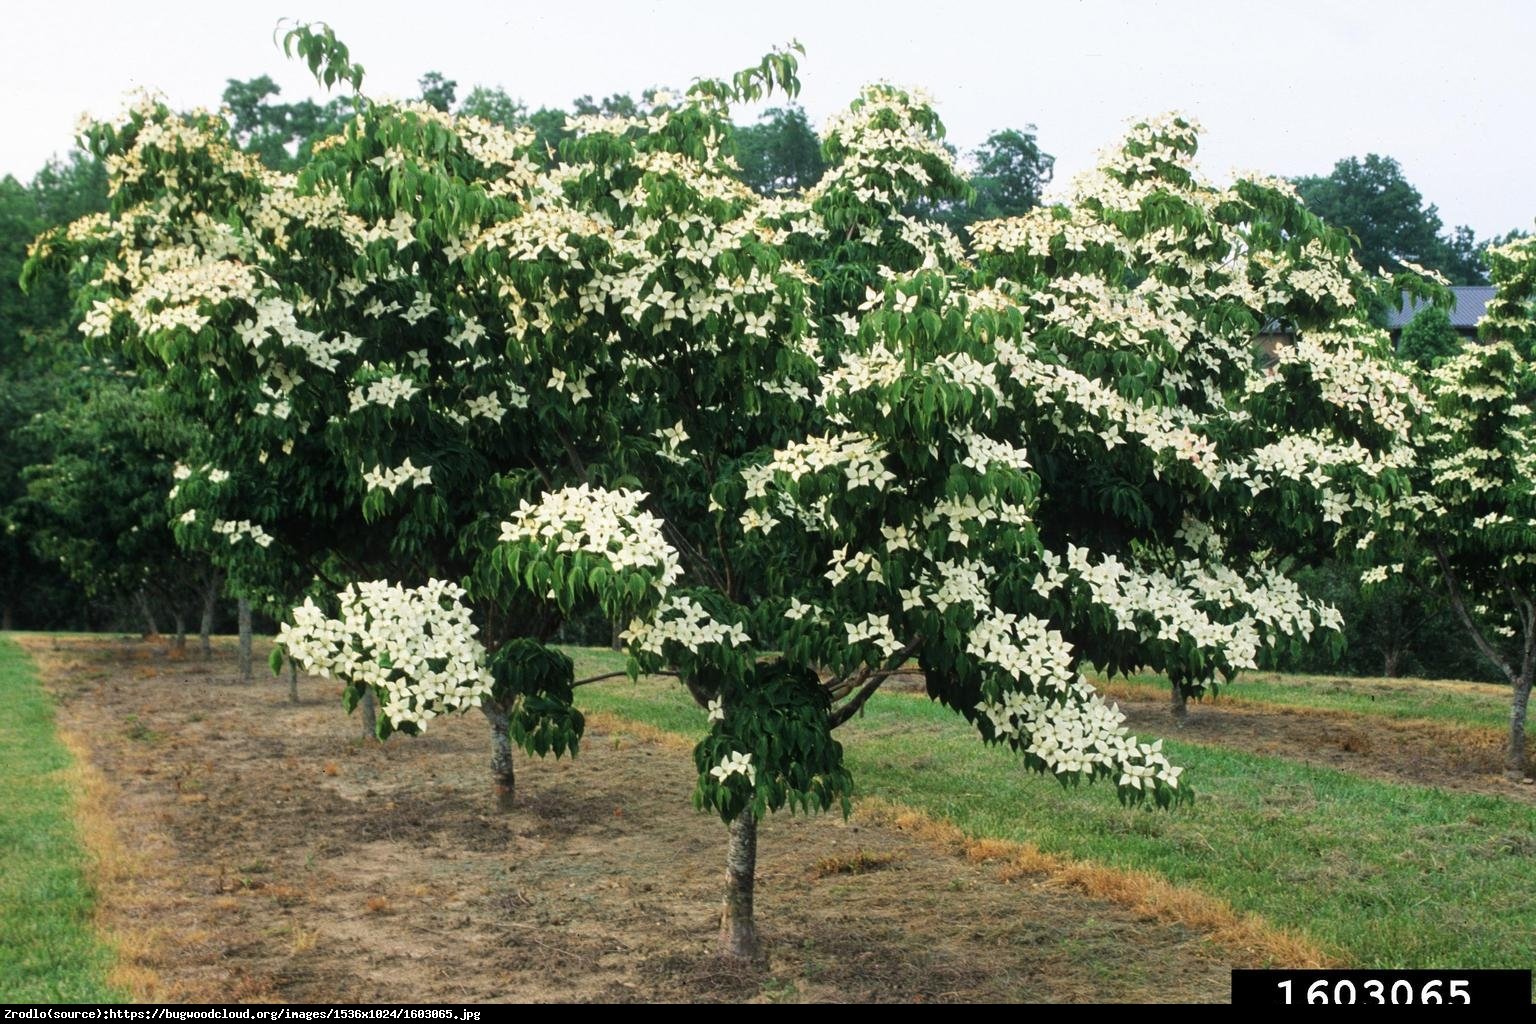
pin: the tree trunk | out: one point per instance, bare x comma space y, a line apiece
503, 774
370, 706
181, 629
738, 930
210, 604
293, 681
244, 611
1514, 765
148, 613
1392, 662
1178, 703
7, 618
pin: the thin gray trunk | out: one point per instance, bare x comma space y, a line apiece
181, 629
1392, 662
148, 614
244, 612
1515, 764
738, 930
370, 706
293, 681
1519, 680
503, 774
210, 604
1178, 703
7, 618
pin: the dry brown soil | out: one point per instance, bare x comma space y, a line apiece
272, 854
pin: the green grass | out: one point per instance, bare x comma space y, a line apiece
48, 951
1382, 875
1474, 704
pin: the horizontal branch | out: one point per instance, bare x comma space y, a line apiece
615, 675
841, 686
893, 667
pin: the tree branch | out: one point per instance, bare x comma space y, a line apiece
700, 564
893, 667
570, 452
845, 684
615, 675
1453, 591
852, 708
725, 560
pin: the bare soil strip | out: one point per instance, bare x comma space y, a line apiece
1421, 752
259, 850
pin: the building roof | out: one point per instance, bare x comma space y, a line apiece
1471, 300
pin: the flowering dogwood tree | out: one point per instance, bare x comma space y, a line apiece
790, 444
1470, 525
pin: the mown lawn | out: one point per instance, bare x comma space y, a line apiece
1474, 704
48, 951
1382, 875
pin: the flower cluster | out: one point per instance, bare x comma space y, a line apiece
609, 523
386, 392
735, 763
876, 631
860, 458
380, 479
1081, 736
415, 646
684, 622
236, 531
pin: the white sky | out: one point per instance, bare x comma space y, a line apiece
1282, 86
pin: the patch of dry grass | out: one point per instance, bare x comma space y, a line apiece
859, 862
110, 867
1247, 936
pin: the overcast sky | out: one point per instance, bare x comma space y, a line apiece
1288, 87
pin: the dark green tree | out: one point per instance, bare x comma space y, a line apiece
780, 152
1389, 219
1428, 338
41, 360
620, 104
1011, 173
281, 134
1464, 257
438, 91
495, 106
95, 497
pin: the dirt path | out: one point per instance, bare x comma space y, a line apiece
275, 856
1417, 751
